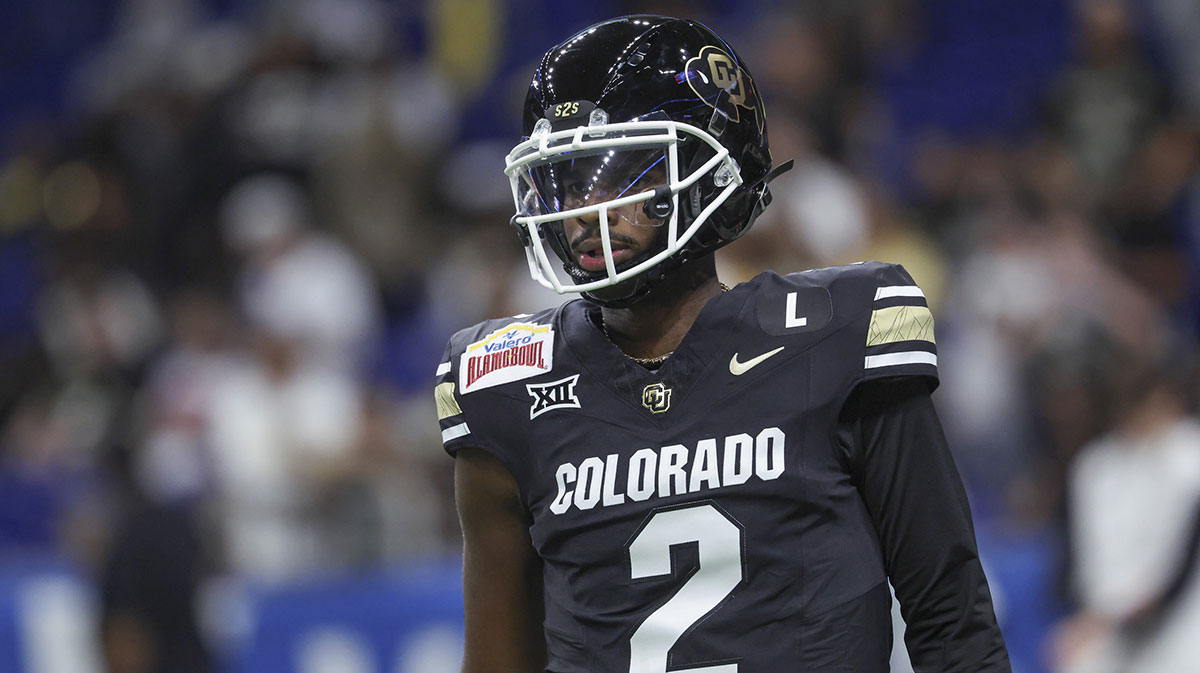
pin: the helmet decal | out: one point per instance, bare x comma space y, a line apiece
569, 114
723, 73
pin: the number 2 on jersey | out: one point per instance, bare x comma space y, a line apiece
719, 547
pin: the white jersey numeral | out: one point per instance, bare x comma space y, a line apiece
719, 546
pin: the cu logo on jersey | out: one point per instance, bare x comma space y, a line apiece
656, 397
554, 395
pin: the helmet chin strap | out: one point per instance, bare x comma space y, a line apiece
627, 292
624, 294
634, 290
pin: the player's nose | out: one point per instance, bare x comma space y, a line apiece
592, 218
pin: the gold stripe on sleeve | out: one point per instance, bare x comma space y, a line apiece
900, 323
447, 405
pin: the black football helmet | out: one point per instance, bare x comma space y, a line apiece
639, 109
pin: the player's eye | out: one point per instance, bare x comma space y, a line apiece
577, 190
652, 177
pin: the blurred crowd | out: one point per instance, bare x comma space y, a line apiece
232, 250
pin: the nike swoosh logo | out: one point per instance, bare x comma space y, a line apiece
738, 368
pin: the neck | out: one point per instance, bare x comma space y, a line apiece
657, 323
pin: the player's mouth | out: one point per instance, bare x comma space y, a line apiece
590, 254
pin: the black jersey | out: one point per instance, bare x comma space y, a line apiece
708, 515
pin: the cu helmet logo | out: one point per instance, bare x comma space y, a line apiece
720, 71
656, 397
727, 76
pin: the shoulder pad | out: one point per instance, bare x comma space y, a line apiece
488, 355
879, 313
893, 320
499, 351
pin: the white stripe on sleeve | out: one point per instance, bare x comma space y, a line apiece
898, 291
905, 358
443, 369
454, 432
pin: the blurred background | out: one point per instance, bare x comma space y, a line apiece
235, 235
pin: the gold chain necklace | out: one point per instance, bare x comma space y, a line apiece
645, 362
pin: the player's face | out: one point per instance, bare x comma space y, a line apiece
631, 231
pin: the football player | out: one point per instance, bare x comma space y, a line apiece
672, 475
